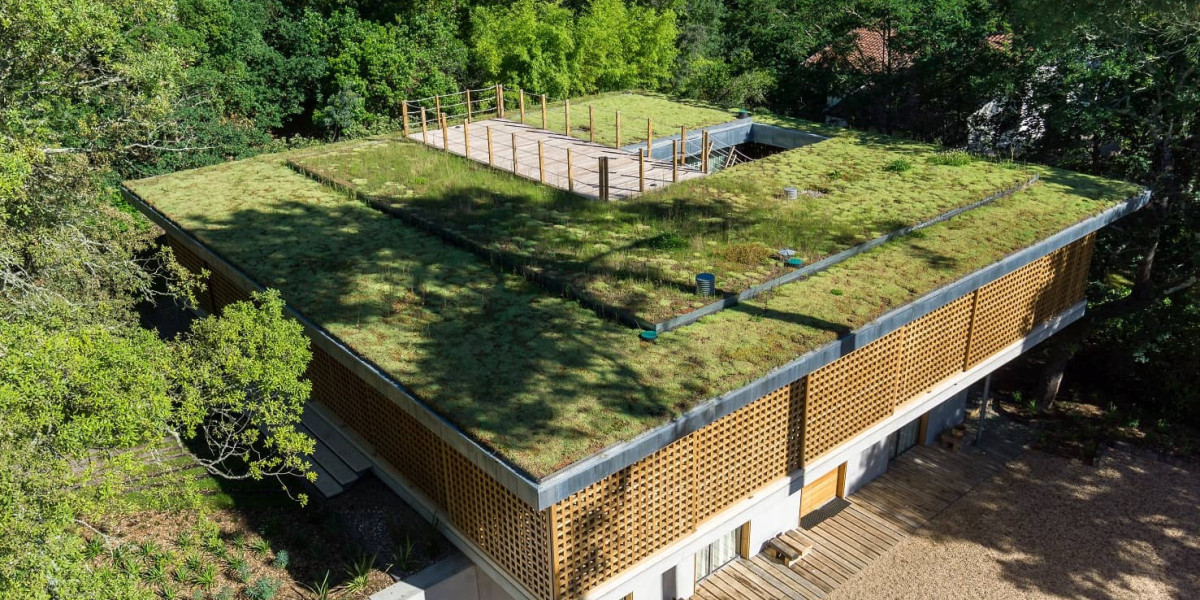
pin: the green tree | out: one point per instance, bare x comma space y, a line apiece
1121, 93
528, 44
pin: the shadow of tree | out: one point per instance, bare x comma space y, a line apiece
494, 348
1059, 528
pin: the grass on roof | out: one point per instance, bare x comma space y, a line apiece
641, 255
534, 376
666, 114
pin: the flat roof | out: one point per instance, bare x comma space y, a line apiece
534, 376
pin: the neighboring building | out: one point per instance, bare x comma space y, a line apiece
566, 457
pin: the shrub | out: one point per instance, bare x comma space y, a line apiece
321, 590
359, 572
93, 548
263, 588
951, 158
747, 254
206, 577
262, 547
155, 573
899, 165
281, 559
664, 241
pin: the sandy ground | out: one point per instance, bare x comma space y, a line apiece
1048, 527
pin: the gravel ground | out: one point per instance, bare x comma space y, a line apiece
1049, 527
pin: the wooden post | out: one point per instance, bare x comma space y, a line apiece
541, 163
499, 101
604, 178
650, 137
445, 133
521, 101
570, 171
514, 144
591, 123
437, 106
675, 160
683, 144
404, 116
466, 139
468, 92
704, 151
491, 161
567, 116
543, 111
641, 170
424, 131
618, 144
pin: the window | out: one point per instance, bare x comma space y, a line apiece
719, 553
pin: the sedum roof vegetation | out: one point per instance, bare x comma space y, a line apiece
640, 255
534, 375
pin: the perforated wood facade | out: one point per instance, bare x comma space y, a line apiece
595, 534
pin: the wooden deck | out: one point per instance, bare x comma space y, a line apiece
917, 486
623, 166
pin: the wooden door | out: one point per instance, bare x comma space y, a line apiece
817, 493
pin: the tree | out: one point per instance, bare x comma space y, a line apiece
241, 391
529, 44
1124, 100
75, 398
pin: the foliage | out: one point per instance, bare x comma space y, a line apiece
544, 47
241, 390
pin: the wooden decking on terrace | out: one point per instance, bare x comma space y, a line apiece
550, 167
917, 486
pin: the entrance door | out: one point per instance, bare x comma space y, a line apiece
817, 493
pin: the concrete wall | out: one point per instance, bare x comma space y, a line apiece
731, 134
946, 415
452, 578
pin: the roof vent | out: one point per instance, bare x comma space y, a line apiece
791, 193
706, 284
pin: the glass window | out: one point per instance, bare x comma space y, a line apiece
717, 554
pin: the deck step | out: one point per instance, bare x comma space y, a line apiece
325, 483
336, 461
322, 429
339, 470
786, 551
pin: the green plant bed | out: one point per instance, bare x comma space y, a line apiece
640, 255
532, 375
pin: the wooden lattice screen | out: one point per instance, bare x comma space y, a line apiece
851, 394
600, 531
934, 348
1008, 309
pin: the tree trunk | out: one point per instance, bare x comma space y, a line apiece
1052, 374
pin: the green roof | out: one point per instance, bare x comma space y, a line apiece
535, 376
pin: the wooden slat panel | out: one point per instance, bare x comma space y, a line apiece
817, 493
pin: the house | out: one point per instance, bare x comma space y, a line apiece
472, 331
